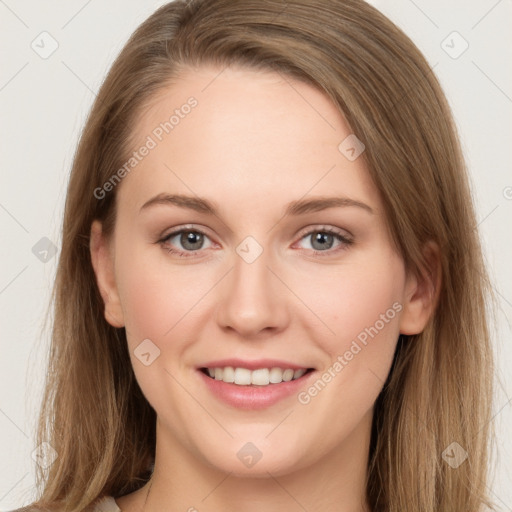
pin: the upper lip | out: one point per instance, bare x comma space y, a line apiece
254, 364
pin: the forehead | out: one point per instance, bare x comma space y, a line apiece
244, 131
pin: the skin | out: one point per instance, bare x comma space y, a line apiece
255, 142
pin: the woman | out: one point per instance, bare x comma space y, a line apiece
270, 293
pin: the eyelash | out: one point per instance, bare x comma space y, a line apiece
345, 241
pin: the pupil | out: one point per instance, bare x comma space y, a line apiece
191, 240
325, 240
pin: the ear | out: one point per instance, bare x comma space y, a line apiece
102, 257
422, 292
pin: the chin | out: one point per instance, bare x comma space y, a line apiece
250, 462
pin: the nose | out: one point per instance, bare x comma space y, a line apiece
252, 300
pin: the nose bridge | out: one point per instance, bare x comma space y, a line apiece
251, 278
250, 300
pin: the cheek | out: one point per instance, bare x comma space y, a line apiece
360, 301
164, 303
368, 307
362, 307
158, 305
154, 294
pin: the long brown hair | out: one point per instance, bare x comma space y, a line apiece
440, 386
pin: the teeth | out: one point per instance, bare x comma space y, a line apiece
259, 377
299, 373
275, 375
288, 375
242, 376
228, 374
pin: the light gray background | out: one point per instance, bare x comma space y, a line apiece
44, 102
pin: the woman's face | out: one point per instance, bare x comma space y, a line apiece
249, 236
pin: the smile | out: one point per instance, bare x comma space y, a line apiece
258, 377
254, 388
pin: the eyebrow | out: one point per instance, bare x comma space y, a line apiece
294, 208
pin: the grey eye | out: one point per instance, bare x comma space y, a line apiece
321, 240
191, 240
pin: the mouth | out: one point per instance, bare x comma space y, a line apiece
259, 377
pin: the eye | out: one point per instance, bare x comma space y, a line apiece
188, 241
323, 240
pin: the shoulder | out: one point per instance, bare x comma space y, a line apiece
106, 504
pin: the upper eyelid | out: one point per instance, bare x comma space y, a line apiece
185, 227
324, 228
172, 234
307, 231
303, 232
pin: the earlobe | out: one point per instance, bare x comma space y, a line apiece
422, 292
103, 265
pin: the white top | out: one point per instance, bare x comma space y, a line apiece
107, 504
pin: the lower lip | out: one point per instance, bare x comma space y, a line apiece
253, 397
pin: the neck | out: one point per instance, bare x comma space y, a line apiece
334, 482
